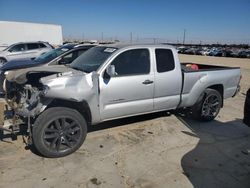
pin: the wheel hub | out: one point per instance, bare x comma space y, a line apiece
62, 134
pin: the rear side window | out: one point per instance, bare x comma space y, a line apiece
32, 46
164, 60
41, 45
132, 62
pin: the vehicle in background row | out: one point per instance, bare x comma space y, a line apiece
13, 32
24, 50
244, 54
215, 51
65, 54
181, 49
246, 118
205, 52
193, 51
110, 82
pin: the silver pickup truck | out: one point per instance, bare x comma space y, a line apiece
110, 82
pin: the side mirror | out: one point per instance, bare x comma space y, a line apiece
111, 70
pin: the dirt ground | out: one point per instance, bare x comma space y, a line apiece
158, 150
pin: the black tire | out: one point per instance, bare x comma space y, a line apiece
2, 61
246, 118
59, 131
207, 106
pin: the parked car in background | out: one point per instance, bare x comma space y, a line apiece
181, 49
235, 53
244, 54
193, 51
216, 52
226, 53
205, 52
62, 55
24, 50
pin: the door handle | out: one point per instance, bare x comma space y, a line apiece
146, 82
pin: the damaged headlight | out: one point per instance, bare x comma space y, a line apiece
45, 90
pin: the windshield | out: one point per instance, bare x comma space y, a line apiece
92, 59
7, 48
48, 56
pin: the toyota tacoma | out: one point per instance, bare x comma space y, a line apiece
57, 103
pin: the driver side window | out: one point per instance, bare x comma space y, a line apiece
132, 62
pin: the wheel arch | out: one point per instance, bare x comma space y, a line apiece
1, 57
220, 89
82, 107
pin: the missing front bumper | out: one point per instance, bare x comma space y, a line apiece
8, 121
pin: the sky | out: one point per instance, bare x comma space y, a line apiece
222, 21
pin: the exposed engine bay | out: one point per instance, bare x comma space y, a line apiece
29, 91
25, 99
24, 92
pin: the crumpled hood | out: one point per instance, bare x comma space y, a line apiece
20, 76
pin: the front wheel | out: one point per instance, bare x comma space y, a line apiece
2, 61
208, 105
59, 131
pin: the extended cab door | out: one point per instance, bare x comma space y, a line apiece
131, 90
168, 79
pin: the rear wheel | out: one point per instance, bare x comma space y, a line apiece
59, 131
208, 105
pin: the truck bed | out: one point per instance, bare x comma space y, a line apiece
204, 67
196, 81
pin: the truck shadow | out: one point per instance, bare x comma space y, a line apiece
126, 121
221, 158
10, 137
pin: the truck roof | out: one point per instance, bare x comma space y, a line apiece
125, 45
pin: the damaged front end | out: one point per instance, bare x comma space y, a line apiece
29, 92
24, 99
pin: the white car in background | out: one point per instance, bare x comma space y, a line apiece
24, 50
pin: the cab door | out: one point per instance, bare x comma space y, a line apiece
131, 91
168, 80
